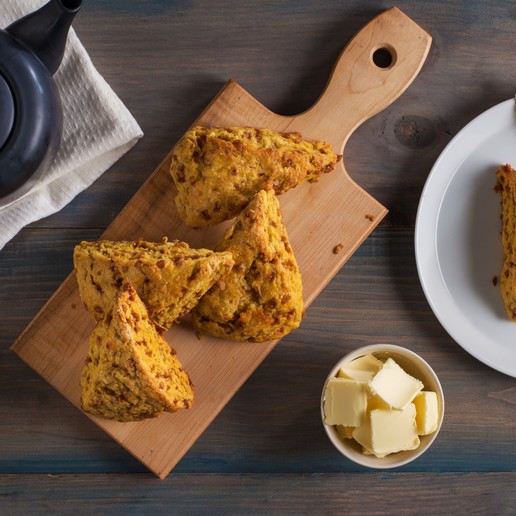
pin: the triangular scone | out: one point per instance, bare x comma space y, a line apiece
217, 171
131, 372
507, 187
261, 298
170, 277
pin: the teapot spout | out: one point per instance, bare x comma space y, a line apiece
44, 31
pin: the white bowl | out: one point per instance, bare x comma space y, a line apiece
414, 365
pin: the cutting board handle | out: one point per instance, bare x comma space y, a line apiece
373, 70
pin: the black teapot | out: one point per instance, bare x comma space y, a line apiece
31, 119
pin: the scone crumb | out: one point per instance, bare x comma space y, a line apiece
369, 217
338, 248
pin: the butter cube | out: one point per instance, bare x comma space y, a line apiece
427, 412
367, 451
393, 430
362, 435
361, 369
394, 386
345, 402
346, 432
375, 402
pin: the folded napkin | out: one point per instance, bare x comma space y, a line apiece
97, 130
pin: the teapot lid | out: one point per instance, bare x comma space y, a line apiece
6, 110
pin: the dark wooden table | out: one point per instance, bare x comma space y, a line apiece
267, 451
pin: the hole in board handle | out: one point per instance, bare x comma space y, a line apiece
384, 57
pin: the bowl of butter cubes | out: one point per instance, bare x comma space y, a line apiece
382, 406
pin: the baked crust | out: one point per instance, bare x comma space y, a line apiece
170, 277
217, 171
261, 298
131, 372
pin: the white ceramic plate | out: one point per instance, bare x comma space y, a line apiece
457, 239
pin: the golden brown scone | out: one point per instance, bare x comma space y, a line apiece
131, 372
261, 298
170, 277
217, 171
506, 185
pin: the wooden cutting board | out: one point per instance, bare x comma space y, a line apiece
326, 222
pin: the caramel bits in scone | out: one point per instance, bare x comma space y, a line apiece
506, 185
217, 171
131, 372
261, 298
170, 277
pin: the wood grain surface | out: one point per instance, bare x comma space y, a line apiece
266, 452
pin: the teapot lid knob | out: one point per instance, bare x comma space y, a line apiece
6, 110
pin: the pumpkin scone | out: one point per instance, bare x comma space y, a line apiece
131, 373
170, 277
217, 171
261, 297
506, 185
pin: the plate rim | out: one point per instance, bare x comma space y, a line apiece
500, 113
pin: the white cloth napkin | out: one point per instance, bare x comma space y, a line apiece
97, 130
